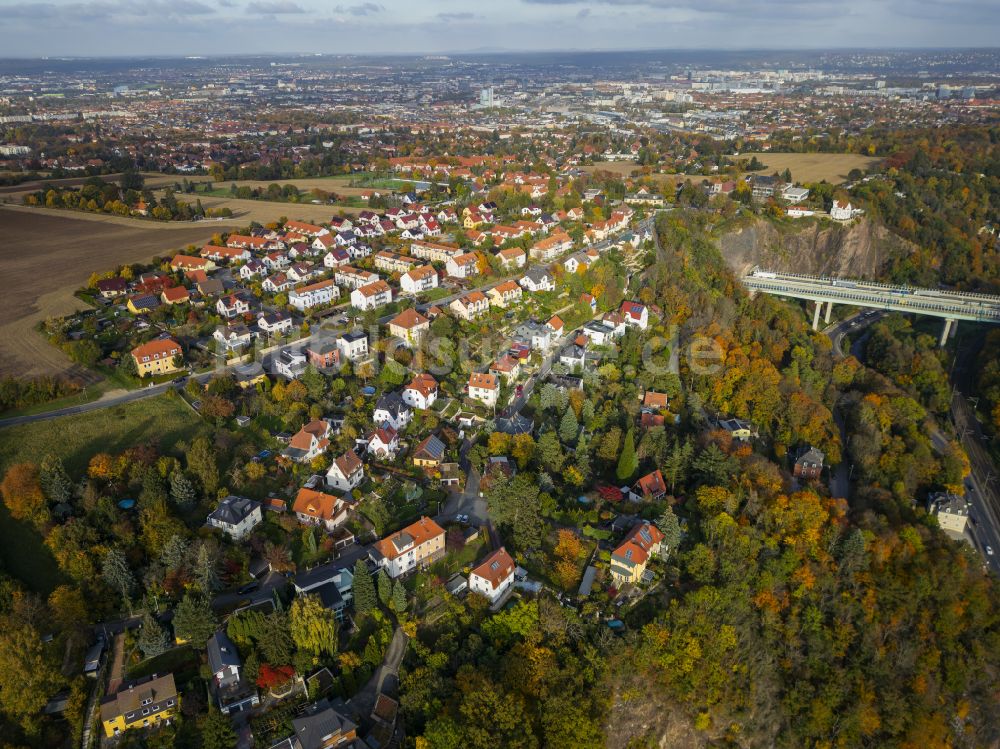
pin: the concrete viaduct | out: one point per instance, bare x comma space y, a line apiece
950, 305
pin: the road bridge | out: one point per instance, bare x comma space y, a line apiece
952, 306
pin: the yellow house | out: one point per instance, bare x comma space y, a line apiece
139, 305
150, 701
472, 221
157, 357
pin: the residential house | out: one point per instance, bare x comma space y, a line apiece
306, 297
353, 278
384, 442
353, 345
556, 325
470, 306
808, 463
506, 367
410, 326
109, 288
421, 392
320, 726
336, 258
843, 211
429, 452
629, 560
185, 263
392, 409
494, 577
793, 194
313, 507
371, 296
504, 294
323, 354
140, 304
161, 356
309, 230
952, 513
275, 323
391, 262
436, 253
149, 701
534, 334
738, 428
229, 254
289, 364
764, 186
635, 314
538, 279
277, 283
333, 586
232, 693
346, 472
598, 333
232, 305
462, 266
419, 280
309, 442
551, 247
415, 546
484, 387
234, 335
512, 257
573, 356
252, 269
175, 295
303, 271
650, 486
235, 516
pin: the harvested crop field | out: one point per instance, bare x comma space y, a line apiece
264, 211
340, 184
815, 167
621, 168
14, 193
48, 254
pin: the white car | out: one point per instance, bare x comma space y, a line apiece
989, 550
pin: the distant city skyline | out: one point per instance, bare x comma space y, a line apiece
217, 27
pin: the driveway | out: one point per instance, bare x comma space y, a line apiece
385, 678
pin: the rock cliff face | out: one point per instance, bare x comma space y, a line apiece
857, 250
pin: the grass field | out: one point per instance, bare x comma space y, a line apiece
621, 168
815, 167
162, 421
263, 211
48, 254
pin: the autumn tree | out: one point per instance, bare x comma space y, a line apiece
313, 627
201, 461
22, 493
28, 675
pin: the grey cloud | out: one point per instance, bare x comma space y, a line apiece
462, 16
362, 9
90, 11
584, 12
274, 7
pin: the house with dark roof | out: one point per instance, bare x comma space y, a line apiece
393, 409
320, 726
429, 452
808, 463
236, 516
232, 693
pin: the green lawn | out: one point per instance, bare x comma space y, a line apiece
162, 420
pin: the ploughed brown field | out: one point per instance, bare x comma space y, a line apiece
46, 255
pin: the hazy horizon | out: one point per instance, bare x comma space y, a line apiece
113, 28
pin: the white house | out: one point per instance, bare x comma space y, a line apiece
384, 442
232, 306
372, 296
311, 440
419, 279
321, 292
353, 278
484, 387
841, 211
233, 335
289, 363
236, 516
393, 410
635, 314
353, 345
275, 323
421, 392
470, 306
538, 279
494, 578
336, 258
462, 266
346, 472
417, 545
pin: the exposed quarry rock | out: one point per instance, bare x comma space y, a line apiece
856, 250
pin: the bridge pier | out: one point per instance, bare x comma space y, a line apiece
829, 311
819, 308
946, 331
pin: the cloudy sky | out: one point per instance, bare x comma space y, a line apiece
198, 27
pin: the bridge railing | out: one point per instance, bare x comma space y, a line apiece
846, 283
